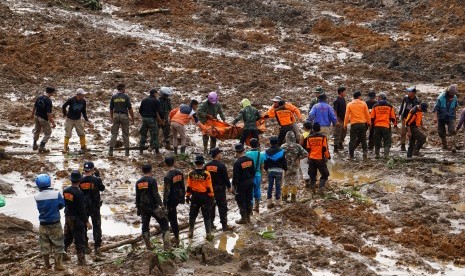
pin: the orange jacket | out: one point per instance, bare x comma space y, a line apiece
357, 112
382, 114
414, 117
317, 146
199, 181
285, 115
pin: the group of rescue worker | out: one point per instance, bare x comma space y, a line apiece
206, 186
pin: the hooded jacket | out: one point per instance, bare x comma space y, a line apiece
275, 158
248, 114
293, 150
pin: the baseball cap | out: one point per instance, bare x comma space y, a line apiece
75, 176
277, 99
215, 151
199, 159
319, 90
411, 89
80, 91
239, 147
88, 166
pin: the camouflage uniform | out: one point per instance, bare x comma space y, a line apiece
165, 110
294, 152
51, 235
207, 108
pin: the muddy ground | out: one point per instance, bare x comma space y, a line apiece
379, 217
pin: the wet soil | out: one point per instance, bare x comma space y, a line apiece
379, 217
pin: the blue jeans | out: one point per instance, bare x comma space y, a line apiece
257, 191
274, 178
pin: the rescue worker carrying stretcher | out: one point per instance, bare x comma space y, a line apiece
286, 115
200, 195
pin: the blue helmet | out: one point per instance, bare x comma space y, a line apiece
43, 181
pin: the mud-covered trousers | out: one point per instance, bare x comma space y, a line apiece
51, 239
222, 204
244, 197
158, 215
96, 219
203, 202
173, 219
314, 166
75, 230
416, 141
149, 125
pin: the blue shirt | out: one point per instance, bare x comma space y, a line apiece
49, 202
322, 113
253, 154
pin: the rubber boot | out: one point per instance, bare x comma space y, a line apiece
307, 183
377, 153
146, 237
166, 241
34, 145
97, 252
322, 186
183, 150
42, 148
277, 203
82, 141
285, 193
444, 143
175, 150
341, 146
453, 143
88, 250
58, 262
46, 258
190, 235
365, 155
294, 193
126, 152
256, 206
336, 149
386, 153
243, 219
225, 227
66, 145
82, 259
110, 152
270, 203
65, 257
402, 147
176, 240
208, 230
141, 149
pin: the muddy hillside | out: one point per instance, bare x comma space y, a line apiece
393, 216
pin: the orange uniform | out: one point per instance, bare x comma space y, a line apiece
414, 117
199, 181
382, 114
357, 113
285, 115
317, 146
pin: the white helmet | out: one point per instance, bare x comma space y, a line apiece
166, 91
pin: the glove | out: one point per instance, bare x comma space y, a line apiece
138, 213
188, 199
96, 172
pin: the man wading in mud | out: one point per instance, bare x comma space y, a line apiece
413, 122
200, 195
318, 155
445, 108
165, 103
408, 102
174, 191
358, 116
150, 111
76, 219
221, 184
242, 182
91, 185
43, 118
293, 152
149, 204
77, 106
120, 106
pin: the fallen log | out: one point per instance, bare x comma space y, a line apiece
149, 12
137, 239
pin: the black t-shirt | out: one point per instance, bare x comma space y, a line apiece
219, 174
74, 203
120, 103
174, 187
43, 106
91, 186
149, 107
147, 196
76, 108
